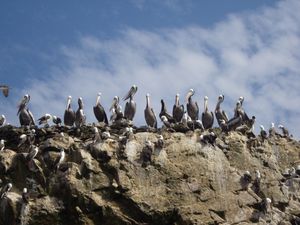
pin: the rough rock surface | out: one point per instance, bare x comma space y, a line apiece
186, 182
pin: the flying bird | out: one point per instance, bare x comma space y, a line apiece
99, 111
5, 90
130, 107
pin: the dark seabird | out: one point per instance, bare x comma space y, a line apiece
32, 154
246, 180
272, 131
208, 138
234, 122
130, 106
266, 205
207, 117
160, 142
240, 111
69, 116
146, 154
59, 159
256, 182
5, 189
198, 125
165, 121
99, 111
25, 196
149, 114
220, 114
56, 120
5, 90
285, 132
25, 116
263, 133
44, 119
192, 106
164, 112
80, 117
116, 110
178, 110
29, 137
2, 120
2, 144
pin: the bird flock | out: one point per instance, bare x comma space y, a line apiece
183, 119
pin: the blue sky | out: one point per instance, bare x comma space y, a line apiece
53, 49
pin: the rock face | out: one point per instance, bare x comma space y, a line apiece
185, 182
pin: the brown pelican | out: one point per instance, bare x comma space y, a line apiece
220, 114
59, 159
149, 114
178, 110
272, 131
80, 117
240, 111
99, 111
130, 106
116, 110
44, 119
5, 90
69, 116
2, 120
34, 151
164, 112
285, 132
2, 145
5, 189
192, 107
25, 116
207, 117
233, 123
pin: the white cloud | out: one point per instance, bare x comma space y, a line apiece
255, 55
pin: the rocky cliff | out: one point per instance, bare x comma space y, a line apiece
183, 181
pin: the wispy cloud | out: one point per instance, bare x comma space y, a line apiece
255, 55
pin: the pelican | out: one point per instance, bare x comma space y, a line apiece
130, 106
69, 116
97, 137
178, 110
285, 132
164, 119
164, 112
99, 111
5, 189
56, 120
116, 110
149, 114
207, 117
2, 145
220, 114
272, 130
240, 111
44, 119
160, 142
34, 151
2, 120
59, 159
192, 107
80, 117
25, 116
5, 90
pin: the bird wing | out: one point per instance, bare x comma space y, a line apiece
31, 117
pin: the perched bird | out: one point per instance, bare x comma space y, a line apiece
25, 116
80, 117
178, 110
266, 205
2, 120
32, 154
23, 139
44, 119
208, 138
160, 142
146, 154
56, 120
5, 90
285, 132
164, 112
99, 111
97, 137
192, 106
198, 125
220, 114
2, 145
165, 121
149, 114
59, 159
234, 122
130, 106
246, 180
272, 131
263, 133
105, 135
69, 115
5, 189
207, 117
256, 182
25, 196
116, 110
